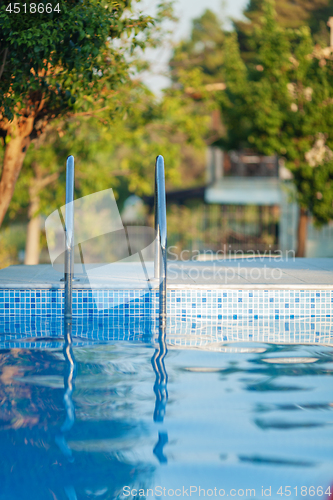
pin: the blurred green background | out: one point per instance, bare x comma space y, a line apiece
249, 101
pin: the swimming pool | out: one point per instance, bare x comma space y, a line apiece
233, 399
144, 419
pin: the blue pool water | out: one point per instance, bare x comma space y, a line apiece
115, 419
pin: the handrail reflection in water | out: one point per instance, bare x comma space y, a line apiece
161, 391
69, 379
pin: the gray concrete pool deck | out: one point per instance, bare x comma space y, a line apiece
244, 273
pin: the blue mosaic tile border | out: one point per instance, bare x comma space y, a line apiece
35, 332
253, 305
225, 305
46, 302
199, 333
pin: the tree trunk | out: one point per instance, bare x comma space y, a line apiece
302, 232
32, 247
18, 132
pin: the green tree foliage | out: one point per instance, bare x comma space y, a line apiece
119, 154
52, 64
283, 103
202, 51
197, 71
289, 14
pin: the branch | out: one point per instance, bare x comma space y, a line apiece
212, 139
47, 180
3, 62
90, 113
41, 104
38, 181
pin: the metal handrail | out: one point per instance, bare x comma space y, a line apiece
160, 263
69, 237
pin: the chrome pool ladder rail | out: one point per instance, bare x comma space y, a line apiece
69, 238
160, 262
